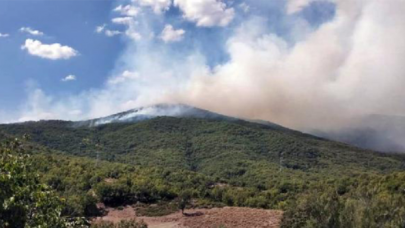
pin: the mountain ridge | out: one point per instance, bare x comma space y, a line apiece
203, 145
222, 162
153, 111
376, 132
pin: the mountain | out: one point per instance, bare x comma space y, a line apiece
150, 112
153, 156
374, 132
183, 137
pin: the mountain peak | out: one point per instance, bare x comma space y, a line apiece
153, 111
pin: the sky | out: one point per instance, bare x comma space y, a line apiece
52, 51
69, 23
300, 63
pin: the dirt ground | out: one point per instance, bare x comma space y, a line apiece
229, 217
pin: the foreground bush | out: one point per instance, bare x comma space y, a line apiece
24, 201
372, 202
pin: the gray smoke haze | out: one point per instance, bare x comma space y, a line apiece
352, 66
324, 78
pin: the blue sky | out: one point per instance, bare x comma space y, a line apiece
99, 44
70, 23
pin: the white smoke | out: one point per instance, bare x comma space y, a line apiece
352, 65
349, 67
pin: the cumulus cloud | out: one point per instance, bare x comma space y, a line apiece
101, 28
131, 31
4, 35
294, 6
124, 77
111, 33
107, 32
31, 31
49, 51
128, 10
158, 6
69, 78
206, 13
169, 34
123, 20
133, 34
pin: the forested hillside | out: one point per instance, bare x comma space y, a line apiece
203, 145
216, 162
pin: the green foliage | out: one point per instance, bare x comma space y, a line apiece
217, 163
114, 194
235, 150
369, 201
184, 200
24, 201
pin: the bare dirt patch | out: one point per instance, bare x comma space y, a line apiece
229, 217
115, 215
110, 180
235, 218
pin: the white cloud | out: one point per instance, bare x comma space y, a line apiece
128, 10
245, 7
131, 31
101, 28
123, 20
69, 78
107, 32
31, 31
4, 35
134, 35
158, 6
169, 34
124, 77
49, 51
206, 13
111, 33
294, 6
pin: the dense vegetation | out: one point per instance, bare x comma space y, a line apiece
202, 145
318, 183
363, 201
24, 201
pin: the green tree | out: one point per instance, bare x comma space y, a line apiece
24, 201
184, 200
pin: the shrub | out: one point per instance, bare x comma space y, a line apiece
24, 201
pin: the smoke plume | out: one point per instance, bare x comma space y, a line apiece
312, 77
349, 67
